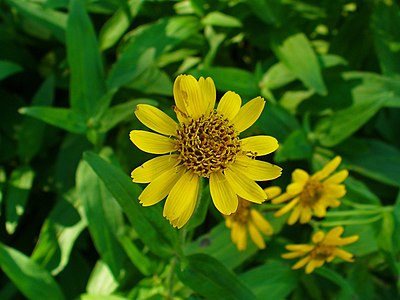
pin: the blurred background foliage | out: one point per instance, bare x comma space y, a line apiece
71, 73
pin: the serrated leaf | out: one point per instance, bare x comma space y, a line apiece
87, 83
60, 117
152, 228
32, 280
296, 53
208, 277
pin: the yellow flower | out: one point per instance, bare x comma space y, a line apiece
247, 219
205, 143
325, 249
312, 195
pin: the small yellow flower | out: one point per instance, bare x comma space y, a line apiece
247, 219
312, 195
325, 249
204, 143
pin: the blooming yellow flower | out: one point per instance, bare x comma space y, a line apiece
312, 195
247, 219
324, 249
204, 143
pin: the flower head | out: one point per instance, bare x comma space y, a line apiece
312, 195
324, 249
245, 220
204, 143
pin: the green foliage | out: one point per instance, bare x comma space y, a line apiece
71, 75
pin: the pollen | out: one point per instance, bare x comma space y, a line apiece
207, 144
322, 251
311, 193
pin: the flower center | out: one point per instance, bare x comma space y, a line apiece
311, 193
242, 213
208, 144
322, 252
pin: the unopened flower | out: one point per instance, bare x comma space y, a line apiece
204, 143
312, 195
325, 248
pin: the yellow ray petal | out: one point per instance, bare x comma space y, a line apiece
305, 215
295, 188
152, 168
262, 224
259, 144
319, 209
181, 196
294, 216
337, 178
152, 142
180, 96
248, 114
300, 176
244, 186
223, 196
347, 256
229, 105
334, 190
287, 207
314, 263
256, 236
301, 263
156, 119
292, 255
282, 198
160, 187
305, 248
318, 237
329, 168
241, 237
185, 216
272, 191
207, 88
256, 169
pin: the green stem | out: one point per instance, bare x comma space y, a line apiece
350, 222
171, 279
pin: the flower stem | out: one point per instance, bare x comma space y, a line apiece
351, 222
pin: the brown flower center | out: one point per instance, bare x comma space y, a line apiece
208, 144
242, 213
322, 252
311, 193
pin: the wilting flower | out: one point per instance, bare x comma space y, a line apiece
205, 143
245, 220
324, 249
312, 195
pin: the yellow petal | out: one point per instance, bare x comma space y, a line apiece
256, 169
185, 216
272, 191
228, 222
305, 215
292, 255
152, 168
318, 237
305, 248
256, 236
328, 169
287, 207
248, 114
314, 263
229, 105
335, 190
259, 144
263, 225
188, 95
207, 88
152, 142
319, 209
295, 188
160, 187
347, 256
300, 176
181, 198
156, 119
282, 198
294, 216
224, 197
241, 237
244, 186
337, 178
301, 263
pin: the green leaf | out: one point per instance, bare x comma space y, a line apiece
270, 11
385, 21
153, 81
208, 277
19, 186
8, 68
103, 215
149, 41
296, 53
231, 79
116, 26
216, 18
385, 236
101, 280
2, 184
31, 132
54, 21
347, 289
372, 158
60, 117
295, 147
87, 83
278, 280
32, 280
278, 75
59, 234
152, 228
357, 191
